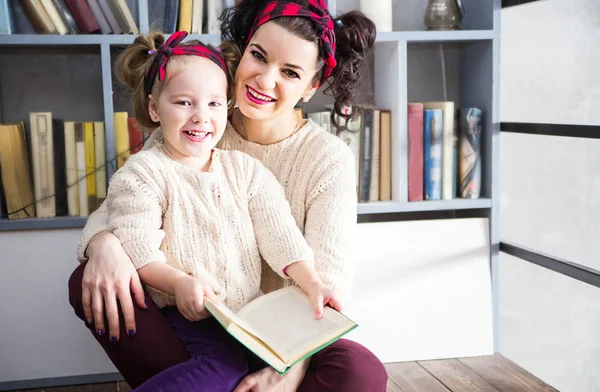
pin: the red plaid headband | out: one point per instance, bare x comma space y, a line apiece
317, 12
170, 48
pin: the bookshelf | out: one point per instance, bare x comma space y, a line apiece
71, 76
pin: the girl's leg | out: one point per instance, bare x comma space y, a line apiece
218, 361
344, 366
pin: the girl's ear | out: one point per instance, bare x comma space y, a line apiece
153, 109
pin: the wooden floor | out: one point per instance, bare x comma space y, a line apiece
486, 374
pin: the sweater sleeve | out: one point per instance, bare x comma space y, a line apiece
135, 215
331, 221
279, 239
98, 220
97, 223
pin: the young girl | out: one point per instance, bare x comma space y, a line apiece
195, 220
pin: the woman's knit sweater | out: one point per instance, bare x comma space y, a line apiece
317, 171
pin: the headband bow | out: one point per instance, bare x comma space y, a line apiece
317, 12
169, 49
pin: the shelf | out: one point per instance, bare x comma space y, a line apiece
85, 39
383, 207
63, 222
124, 39
435, 36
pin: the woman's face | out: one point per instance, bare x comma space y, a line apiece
276, 70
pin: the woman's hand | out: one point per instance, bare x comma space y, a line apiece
320, 296
189, 295
110, 276
268, 380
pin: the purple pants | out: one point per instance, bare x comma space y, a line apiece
157, 356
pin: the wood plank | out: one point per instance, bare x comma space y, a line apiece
456, 376
505, 374
392, 386
410, 377
122, 386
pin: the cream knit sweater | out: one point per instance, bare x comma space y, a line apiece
317, 171
211, 225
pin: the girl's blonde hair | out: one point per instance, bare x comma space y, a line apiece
133, 64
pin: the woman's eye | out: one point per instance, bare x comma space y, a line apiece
291, 74
257, 55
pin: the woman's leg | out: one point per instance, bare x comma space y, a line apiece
344, 366
217, 362
154, 348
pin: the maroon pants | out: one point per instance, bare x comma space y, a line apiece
343, 366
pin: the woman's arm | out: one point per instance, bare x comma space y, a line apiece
331, 221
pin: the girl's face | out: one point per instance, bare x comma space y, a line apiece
276, 70
191, 109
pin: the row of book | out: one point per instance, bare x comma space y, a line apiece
66, 17
108, 16
443, 157
59, 168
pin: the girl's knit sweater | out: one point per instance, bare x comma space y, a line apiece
318, 175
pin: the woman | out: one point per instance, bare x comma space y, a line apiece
285, 59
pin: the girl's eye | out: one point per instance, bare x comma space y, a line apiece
183, 103
291, 74
257, 55
215, 104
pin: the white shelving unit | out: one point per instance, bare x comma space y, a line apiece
71, 76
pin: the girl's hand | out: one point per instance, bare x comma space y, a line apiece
321, 295
189, 295
109, 276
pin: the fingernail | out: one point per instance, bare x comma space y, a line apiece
113, 339
100, 332
146, 302
131, 333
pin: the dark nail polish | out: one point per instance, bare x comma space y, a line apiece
100, 332
131, 333
113, 339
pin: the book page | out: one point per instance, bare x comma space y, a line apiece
285, 320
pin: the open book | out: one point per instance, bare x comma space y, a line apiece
281, 328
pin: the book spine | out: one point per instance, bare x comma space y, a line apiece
124, 17
38, 17
197, 15
71, 169
385, 169
83, 16
365, 155
432, 129
99, 15
375, 157
54, 17
60, 175
185, 15
470, 153
99, 143
81, 170
121, 138
66, 16
110, 17
415, 152
171, 16
42, 152
5, 23
90, 164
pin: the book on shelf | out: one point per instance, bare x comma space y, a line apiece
5, 23
105, 27
71, 169
83, 16
432, 144
38, 17
16, 178
60, 167
385, 155
124, 17
122, 146
81, 169
100, 155
186, 9
449, 142
42, 158
415, 151
54, 16
280, 327
90, 164
66, 16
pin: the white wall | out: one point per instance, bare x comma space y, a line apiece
550, 187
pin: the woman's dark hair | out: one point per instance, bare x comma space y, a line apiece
133, 64
354, 39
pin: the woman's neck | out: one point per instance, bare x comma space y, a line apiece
267, 131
